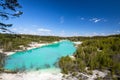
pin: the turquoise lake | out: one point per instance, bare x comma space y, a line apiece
40, 58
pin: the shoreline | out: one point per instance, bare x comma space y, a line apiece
77, 43
50, 73
33, 45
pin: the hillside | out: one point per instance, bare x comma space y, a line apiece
95, 54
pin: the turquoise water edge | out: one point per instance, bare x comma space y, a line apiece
40, 58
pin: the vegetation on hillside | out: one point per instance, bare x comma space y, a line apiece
95, 53
11, 42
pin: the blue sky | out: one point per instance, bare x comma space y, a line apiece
68, 17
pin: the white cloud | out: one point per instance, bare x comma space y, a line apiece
75, 34
94, 33
104, 20
14, 29
32, 31
35, 26
118, 31
82, 18
62, 33
62, 19
102, 34
118, 22
95, 20
43, 30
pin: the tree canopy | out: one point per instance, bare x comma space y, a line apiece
97, 53
8, 9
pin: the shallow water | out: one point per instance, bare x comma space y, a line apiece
40, 58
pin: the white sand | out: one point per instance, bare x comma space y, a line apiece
49, 74
25, 48
34, 75
31, 46
1, 50
31, 76
86, 76
72, 57
77, 43
97, 73
9, 53
35, 45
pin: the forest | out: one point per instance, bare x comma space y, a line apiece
11, 42
101, 53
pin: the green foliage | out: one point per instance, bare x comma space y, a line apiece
102, 53
2, 61
11, 42
67, 64
8, 9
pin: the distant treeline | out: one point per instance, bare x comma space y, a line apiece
83, 38
10, 42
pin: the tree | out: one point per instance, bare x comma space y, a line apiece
8, 9
2, 61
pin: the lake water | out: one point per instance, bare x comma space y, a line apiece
40, 58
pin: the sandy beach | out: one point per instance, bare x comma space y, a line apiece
47, 74
32, 45
50, 74
77, 43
